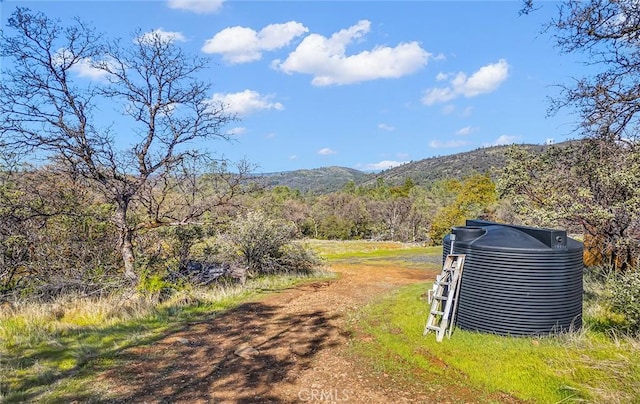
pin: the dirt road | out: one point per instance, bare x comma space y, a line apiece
292, 346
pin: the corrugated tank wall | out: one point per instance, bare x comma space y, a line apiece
518, 280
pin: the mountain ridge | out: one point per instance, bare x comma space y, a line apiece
487, 160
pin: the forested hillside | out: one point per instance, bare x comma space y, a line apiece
486, 160
318, 180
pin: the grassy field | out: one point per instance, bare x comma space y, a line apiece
592, 365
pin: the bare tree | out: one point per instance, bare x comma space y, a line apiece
45, 107
607, 33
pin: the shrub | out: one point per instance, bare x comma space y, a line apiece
265, 245
156, 286
625, 299
298, 258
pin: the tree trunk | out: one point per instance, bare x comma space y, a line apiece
126, 245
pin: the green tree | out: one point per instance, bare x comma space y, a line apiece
423, 208
404, 189
592, 186
473, 197
350, 187
333, 217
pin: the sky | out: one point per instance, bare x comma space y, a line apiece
361, 84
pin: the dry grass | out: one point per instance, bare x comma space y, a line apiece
52, 351
34, 318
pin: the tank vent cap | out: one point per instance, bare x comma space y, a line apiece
466, 233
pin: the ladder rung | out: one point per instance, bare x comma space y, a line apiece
437, 313
433, 327
443, 283
440, 297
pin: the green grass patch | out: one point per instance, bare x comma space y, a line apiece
53, 352
381, 253
328, 248
377, 253
584, 366
592, 365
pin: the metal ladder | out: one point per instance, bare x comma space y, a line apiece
443, 297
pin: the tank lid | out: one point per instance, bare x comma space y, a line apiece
489, 234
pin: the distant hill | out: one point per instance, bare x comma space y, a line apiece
318, 180
488, 160
329, 179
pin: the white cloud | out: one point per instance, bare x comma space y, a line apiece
504, 140
197, 6
62, 58
467, 112
326, 59
85, 68
326, 151
236, 131
441, 76
382, 165
434, 95
467, 130
293, 157
487, 79
162, 35
448, 109
384, 126
245, 102
549, 141
437, 144
439, 57
242, 45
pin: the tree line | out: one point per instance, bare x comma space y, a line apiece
57, 224
409, 212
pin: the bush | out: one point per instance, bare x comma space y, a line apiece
625, 299
156, 286
298, 258
265, 245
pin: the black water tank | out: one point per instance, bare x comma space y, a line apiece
517, 280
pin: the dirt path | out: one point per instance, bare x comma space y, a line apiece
291, 346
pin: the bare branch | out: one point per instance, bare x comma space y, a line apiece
47, 108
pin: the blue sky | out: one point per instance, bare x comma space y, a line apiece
360, 84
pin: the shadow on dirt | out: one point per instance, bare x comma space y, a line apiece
203, 362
